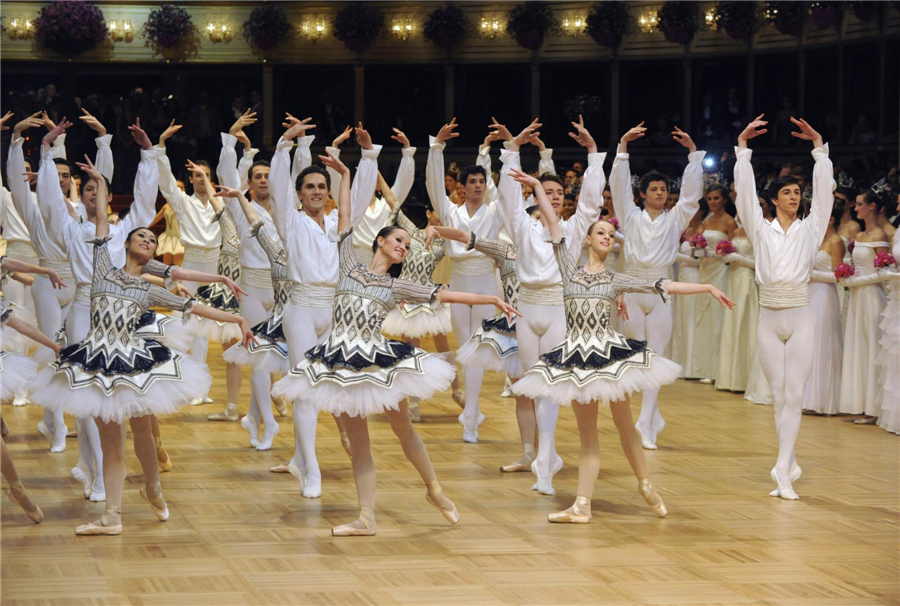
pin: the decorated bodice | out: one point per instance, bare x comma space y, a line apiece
278, 260
420, 262
590, 298
229, 264
363, 299
823, 262
864, 256
504, 255
117, 302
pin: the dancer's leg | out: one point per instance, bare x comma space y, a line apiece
529, 343
442, 345
261, 386
145, 449
629, 438
112, 440
50, 307
90, 452
549, 325
200, 344
658, 333
589, 463
254, 309
364, 476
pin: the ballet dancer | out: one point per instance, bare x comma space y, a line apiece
356, 371
652, 238
594, 363
785, 249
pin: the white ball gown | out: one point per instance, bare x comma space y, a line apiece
737, 345
708, 314
823, 389
682, 342
889, 357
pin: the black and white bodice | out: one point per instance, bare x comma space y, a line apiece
420, 262
504, 255
219, 295
361, 303
281, 285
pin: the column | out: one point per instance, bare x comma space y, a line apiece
687, 111
614, 96
449, 92
535, 90
359, 94
268, 105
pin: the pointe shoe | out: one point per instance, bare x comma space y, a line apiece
459, 396
312, 486
280, 406
165, 464
208, 400
578, 513
523, 464
97, 528
470, 435
646, 442
545, 485
451, 515
415, 414
784, 490
267, 441
507, 390
79, 475
280, 468
98, 490
649, 493
364, 526
21, 400
796, 472
229, 414
866, 421
161, 514
252, 429
297, 473
35, 516
196, 402
59, 440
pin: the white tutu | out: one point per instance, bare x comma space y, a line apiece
265, 358
567, 387
17, 372
164, 389
362, 393
485, 353
417, 321
889, 399
220, 332
171, 331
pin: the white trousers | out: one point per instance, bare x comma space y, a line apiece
90, 455
200, 344
256, 306
466, 319
538, 330
304, 328
51, 305
650, 320
784, 340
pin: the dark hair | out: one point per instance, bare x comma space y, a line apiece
850, 193
136, 229
872, 198
547, 178
264, 163
531, 209
570, 196
384, 233
203, 163
468, 171
451, 173
417, 212
837, 212
312, 169
601, 220
653, 175
63, 162
84, 183
778, 184
726, 196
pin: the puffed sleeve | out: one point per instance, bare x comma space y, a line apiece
102, 261
625, 283
346, 255
497, 250
160, 297
413, 292
564, 260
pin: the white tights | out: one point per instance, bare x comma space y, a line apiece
51, 305
90, 453
784, 340
200, 344
18, 293
255, 307
538, 330
466, 320
304, 328
650, 320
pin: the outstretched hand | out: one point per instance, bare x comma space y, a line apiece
342, 137
247, 333
583, 137
684, 139
753, 130
56, 131
446, 131
721, 298
226, 192
506, 308
400, 137
93, 122
89, 169
430, 235
55, 280
363, 138
233, 287
295, 127
524, 178
499, 132
528, 134
807, 132
621, 308
335, 164
170, 130
245, 120
140, 137
4, 119
32, 121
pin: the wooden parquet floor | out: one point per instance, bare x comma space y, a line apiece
239, 534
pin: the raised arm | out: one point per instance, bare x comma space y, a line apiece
691, 180
104, 160
448, 233
226, 170
366, 177
434, 170
146, 182
511, 200
591, 199
823, 179
22, 196
102, 211
547, 211
249, 211
33, 333
168, 186
237, 131
51, 201
546, 166
283, 199
406, 172
335, 150
15, 265
620, 176
747, 202
343, 200
386, 192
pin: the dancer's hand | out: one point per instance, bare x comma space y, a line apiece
90, 170
621, 308
55, 132
4, 119
583, 137
753, 130
226, 192
48, 123
342, 137
55, 280
363, 138
32, 121
93, 122
807, 132
499, 132
139, 135
430, 235
193, 168
400, 137
297, 128
528, 134
233, 287
632, 134
243, 138
179, 289
167, 134
524, 178
247, 333
446, 132
506, 308
720, 297
245, 120
684, 139
335, 164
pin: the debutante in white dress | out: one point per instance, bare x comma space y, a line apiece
170, 239
860, 386
594, 362
415, 320
16, 370
494, 345
889, 398
823, 390
682, 344
218, 295
358, 371
737, 345
115, 374
708, 314
270, 352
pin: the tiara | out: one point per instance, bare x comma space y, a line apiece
844, 181
676, 183
879, 187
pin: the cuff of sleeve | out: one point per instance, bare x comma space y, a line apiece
254, 229
152, 154
18, 141
742, 153
187, 310
250, 153
433, 143
103, 141
508, 145
597, 159
218, 215
372, 154
662, 289
99, 241
48, 154
334, 151
408, 152
696, 156
229, 140
436, 297
621, 155
306, 141
338, 237
60, 141
471, 244
508, 155
820, 153
546, 154
283, 144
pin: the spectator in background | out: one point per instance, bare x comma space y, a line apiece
863, 133
783, 126
204, 128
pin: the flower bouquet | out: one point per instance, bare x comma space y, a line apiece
697, 242
843, 271
724, 247
883, 260
70, 28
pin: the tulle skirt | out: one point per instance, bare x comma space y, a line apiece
492, 350
220, 332
342, 390
267, 356
16, 372
170, 244
417, 321
887, 362
171, 331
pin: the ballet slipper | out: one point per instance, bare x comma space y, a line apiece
252, 429
523, 464
208, 400
784, 489
98, 489
110, 524
268, 438
161, 514
280, 406
579, 513
59, 440
280, 468
312, 486
19, 496
434, 495
507, 390
165, 464
653, 500
196, 402
866, 421
646, 441
470, 434
230, 414
545, 485
82, 477
364, 526
706, 381
21, 400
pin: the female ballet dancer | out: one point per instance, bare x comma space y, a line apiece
785, 254
170, 247
357, 371
890, 340
594, 363
708, 316
114, 374
860, 389
823, 389
651, 243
